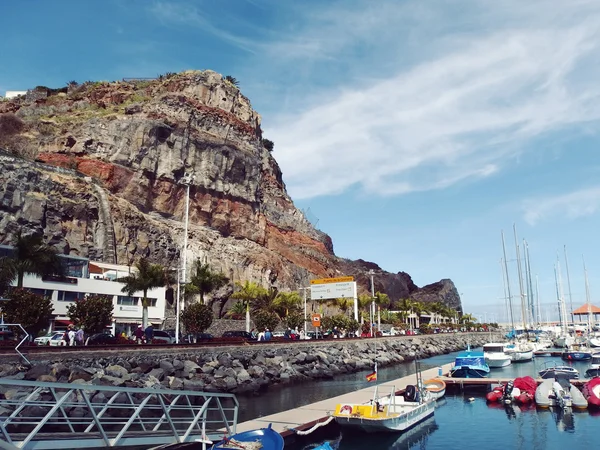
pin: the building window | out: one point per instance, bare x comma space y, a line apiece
69, 296
152, 302
127, 301
43, 292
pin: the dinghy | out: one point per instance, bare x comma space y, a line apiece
591, 392
559, 393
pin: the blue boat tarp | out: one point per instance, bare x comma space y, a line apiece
470, 359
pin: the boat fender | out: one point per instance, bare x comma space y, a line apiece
346, 409
411, 394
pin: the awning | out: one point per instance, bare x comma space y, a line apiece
63, 322
583, 310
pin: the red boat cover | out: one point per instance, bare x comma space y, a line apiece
526, 384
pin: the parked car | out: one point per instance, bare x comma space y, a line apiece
239, 334
45, 340
57, 340
101, 339
163, 336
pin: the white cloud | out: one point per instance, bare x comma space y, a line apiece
584, 202
453, 116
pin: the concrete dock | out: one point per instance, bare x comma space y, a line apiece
304, 417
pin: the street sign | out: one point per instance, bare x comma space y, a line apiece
331, 280
333, 290
316, 320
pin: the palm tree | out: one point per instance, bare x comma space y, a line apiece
265, 301
382, 300
30, 256
406, 305
287, 302
232, 80
467, 318
148, 276
203, 281
248, 292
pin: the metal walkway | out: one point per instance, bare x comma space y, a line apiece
36, 415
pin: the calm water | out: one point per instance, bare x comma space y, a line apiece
458, 422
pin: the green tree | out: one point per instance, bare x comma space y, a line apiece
287, 303
203, 280
265, 319
196, 318
232, 80
382, 300
92, 313
147, 276
248, 293
268, 144
294, 320
467, 318
32, 311
30, 256
237, 310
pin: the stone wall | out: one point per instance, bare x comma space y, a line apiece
239, 369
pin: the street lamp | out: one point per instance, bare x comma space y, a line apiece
186, 181
372, 309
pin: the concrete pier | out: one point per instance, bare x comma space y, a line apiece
306, 416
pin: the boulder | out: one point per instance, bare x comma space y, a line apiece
167, 367
116, 371
159, 374
78, 373
37, 370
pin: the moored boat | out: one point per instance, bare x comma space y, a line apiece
521, 390
436, 387
520, 351
495, 355
591, 392
552, 370
559, 393
577, 353
391, 413
470, 364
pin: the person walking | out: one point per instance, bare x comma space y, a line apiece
79, 337
71, 335
149, 332
268, 335
139, 334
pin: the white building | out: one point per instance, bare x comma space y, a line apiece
88, 277
13, 94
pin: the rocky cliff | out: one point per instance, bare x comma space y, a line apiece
102, 170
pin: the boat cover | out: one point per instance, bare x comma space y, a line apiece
470, 361
526, 384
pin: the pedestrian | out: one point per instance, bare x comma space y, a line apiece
149, 332
79, 336
268, 335
139, 334
71, 335
261, 336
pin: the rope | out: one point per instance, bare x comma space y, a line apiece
310, 430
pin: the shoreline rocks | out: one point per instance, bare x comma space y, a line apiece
240, 370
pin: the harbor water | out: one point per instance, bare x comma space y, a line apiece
462, 419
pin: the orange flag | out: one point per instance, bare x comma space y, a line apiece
372, 376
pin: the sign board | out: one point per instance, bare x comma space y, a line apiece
333, 290
331, 280
316, 320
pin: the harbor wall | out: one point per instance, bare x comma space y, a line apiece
243, 369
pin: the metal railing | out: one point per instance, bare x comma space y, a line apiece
69, 416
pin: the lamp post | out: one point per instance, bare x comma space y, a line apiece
181, 273
305, 309
372, 309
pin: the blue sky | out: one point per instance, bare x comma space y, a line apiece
414, 131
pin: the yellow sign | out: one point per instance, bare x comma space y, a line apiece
332, 280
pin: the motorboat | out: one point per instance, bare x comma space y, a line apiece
390, 413
436, 387
577, 352
470, 364
495, 355
563, 340
520, 390
594, 369
261, 438
559, 393
520, 351
553, 370
591, 392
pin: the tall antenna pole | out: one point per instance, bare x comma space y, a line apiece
569, 286
520, 274
512, 320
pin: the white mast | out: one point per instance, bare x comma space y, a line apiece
512, 320
506, 299
537, 297
531, 299
520, 274
587, 298
569, 286
561, 301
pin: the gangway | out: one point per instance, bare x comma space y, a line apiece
70, 416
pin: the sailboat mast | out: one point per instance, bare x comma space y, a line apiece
512, 320
520, 275
587, 298
537, 297
532, 306
563, 310
569, 286
506, 303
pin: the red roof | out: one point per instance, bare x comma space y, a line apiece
583, 310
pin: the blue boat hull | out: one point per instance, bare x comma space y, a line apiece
270, 440
576, 356
468, 372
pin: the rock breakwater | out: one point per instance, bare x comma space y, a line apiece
241, 370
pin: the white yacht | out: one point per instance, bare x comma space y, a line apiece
520, 351
495, 355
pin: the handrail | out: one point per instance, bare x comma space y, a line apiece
57, 415
25, 338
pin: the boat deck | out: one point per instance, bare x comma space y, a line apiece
306, 416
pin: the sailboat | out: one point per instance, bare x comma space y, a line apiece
388, 413
579, 351
563, 339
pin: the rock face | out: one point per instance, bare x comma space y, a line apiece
109, 182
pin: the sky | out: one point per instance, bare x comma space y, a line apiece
413, 133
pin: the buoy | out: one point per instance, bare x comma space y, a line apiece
471, 399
